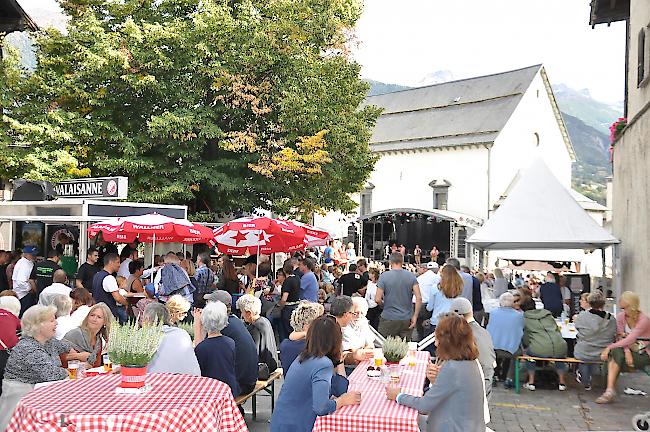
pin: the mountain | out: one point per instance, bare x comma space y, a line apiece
580, 104
587, 122
377, 87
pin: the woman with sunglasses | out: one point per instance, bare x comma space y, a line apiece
305, 393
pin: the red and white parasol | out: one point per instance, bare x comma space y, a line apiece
314, 236
259, 235
151, 228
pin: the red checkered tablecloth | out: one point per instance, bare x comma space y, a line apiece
376, 412
174, 403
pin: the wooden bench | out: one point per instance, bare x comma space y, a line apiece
556, 360
267, 386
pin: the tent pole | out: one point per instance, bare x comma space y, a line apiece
602, 251
257, 257
153, 251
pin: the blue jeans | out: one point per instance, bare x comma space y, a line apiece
586, 371
560, 367
120, 314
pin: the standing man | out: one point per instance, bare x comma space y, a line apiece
87, 270
486, 355
395, 290
468, 283
20, 278
308, 282
362, 268
127, 257
203, 279
428, 279
105, 288
290, 297
551, 295
328, 254
434, 253
477, 297
43, 271
352, 282
104, 248
417, 254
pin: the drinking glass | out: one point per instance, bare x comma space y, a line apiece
108, 366
73, 368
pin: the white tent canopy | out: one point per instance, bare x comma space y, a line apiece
540, 213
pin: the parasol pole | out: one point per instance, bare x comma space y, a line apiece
257, 257
153, 252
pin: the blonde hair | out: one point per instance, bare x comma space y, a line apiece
304, 314
108, 317
34, 317
177, 305
451, 283
498, 273
189, 267
632, 300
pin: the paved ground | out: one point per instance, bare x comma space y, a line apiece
541, 410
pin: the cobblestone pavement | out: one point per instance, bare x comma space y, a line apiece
541, 410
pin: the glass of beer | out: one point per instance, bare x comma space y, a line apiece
73, 368
378, 357
108, 366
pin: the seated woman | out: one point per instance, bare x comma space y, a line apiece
82, 301
542, 338
506, 326
34, 359
596, 330
89, 337
260, 329
175, 353
134, 281
64, 321
216, 353
178, 306
301, 318
628, 352
455, 402
305, 393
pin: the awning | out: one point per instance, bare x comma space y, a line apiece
446, 215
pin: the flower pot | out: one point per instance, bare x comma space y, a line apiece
133, 376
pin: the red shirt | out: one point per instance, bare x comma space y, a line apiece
9, 323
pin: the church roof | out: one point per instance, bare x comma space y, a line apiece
13, 17
456, 113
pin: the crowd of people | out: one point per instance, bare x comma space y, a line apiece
315, 317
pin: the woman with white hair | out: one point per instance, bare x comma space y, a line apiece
34, 359
506, 326
500, 284
89, 338
64, 322
175, 353
216, 353
260, 329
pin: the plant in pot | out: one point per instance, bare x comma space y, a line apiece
133, 347
394, 349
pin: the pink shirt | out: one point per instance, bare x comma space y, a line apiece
641, 330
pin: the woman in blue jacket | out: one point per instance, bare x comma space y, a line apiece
305, 393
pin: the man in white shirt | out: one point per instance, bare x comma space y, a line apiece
20, 278
428, 279
59, 286
124, 266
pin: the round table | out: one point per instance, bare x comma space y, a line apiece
175, 402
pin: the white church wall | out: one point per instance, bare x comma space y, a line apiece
402, 180
532, 130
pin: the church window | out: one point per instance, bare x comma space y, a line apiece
440, 193
365, 205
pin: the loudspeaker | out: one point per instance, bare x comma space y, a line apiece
33, 190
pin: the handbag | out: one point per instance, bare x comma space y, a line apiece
263, 373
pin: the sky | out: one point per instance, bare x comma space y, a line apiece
401, 41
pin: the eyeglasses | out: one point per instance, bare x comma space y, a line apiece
354, 313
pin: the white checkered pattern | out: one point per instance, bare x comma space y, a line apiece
175, 403
376, 412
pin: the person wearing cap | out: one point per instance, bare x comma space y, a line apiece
175, 353
20, 278
486, 356
246, 368
428, 280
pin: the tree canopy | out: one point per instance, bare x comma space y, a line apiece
220, 105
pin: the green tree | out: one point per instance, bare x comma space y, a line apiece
220, 105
